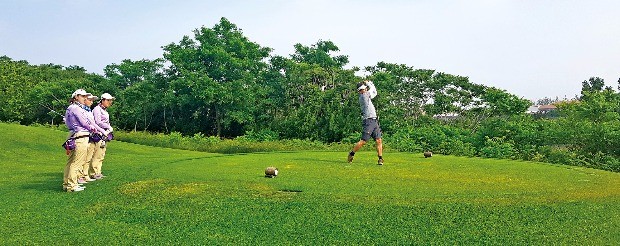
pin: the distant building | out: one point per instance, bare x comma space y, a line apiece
545, 111
532, 109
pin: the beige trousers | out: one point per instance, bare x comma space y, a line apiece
84, 169
75, 162
97, 161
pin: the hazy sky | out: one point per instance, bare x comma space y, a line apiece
531, 48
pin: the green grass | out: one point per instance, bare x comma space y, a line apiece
165, 196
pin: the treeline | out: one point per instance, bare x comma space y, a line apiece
217, 82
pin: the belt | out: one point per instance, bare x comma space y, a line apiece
80, 134
84, 136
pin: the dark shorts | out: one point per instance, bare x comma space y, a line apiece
371, 129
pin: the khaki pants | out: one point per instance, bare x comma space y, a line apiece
75, 161
97, 161
84, 169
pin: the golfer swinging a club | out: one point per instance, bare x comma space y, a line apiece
370, 122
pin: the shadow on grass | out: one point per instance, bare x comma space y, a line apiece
50, 181
48, 185
52, 174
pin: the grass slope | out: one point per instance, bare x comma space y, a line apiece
164, 196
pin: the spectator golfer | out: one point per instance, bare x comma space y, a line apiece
80, 127
92, 142
367, 91
102, 119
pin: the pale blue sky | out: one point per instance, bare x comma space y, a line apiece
530, 48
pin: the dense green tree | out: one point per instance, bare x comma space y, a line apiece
403, 91
410, 93
214, 76
500, 103
593, 125
49, 99
140, 87
130, 72
591, 85
318, 98
454, 94
14, 82
31, 93
320, 54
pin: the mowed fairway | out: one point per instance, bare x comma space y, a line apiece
166, 196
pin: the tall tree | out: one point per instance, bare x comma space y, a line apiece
15, 81
214, 75
25, 97
499, 102
591, 85
130, 72
410, 93
403, 92
592, 125
49, 99
316, 93
140, 87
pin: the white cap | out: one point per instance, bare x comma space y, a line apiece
361, 87
107, 96
80, 92
93, 97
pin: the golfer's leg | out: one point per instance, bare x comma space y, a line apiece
358, 145
376, 133
89, 157
366, 134
76, 159
379, 147
97, 161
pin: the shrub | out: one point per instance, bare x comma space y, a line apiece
443, 139
561, 155
416, 139
351, 138
457, 147
175, 138
528, 153
260, 136
403, 142
602, 161
497, 147
199, 142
